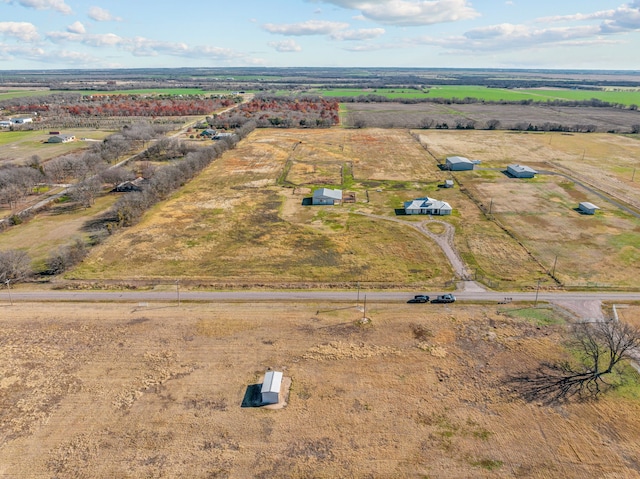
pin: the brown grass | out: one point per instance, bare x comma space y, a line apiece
129, 391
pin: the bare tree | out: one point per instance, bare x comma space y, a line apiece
635, 128
15, 265
116, 175
602, 347
86, 191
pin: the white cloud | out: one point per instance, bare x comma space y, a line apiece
311, 27
410, 12
285, 46
76, 27
10, 52
57, 5
101, 15
362, 34
21, 30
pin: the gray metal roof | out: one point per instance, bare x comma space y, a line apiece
458, 159
328, 194
272, 382
521, 169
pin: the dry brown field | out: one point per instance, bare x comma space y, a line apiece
127, 390
398, 115
235, 224
601, 250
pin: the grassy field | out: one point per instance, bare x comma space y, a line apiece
624, 97
599, 250
19, 146
124, 390
248, 205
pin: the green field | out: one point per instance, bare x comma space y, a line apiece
624, 97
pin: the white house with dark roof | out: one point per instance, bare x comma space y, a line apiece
427, 206
271, 387
61, 138
326, 196
458, 163
521, 171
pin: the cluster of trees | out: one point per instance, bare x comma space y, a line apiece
281, 112
129, 209
120, 105
17, 182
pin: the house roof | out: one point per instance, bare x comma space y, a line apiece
521, 169
272, 382
328, 193
426, 203
458, 159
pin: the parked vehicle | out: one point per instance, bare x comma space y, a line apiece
419, 298
444, 298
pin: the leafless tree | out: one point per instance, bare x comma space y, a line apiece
602, 346
117, 175
15, 265
86, 191
635, 128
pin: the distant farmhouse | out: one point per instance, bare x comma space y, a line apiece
21, 121
587, 208
458, 163
61, 138
326, 196
5, 123
521, 171
133, 185
209, 133
427, 206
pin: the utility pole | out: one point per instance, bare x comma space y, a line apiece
633, 175
490, 206
553, 271
535, 305
178, 290
358, 297
364, 309
9, 291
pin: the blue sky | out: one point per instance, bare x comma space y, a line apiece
559, 34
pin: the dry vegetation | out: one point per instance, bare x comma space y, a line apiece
89, 391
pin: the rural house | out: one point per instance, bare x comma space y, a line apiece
61, 138
521, 171
587, 208
21, 121
5, 123
129, 186
458, 163
427, 206
271, 387
326, 196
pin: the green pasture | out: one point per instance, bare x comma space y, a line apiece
10, 94
624, 97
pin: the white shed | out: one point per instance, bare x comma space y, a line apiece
521, 171
326, 196
587, 208
271, 387
458, 163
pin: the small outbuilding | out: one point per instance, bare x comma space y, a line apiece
521, 171
458, 163
587, 208
427, 206
271, 387
448, 183
326, 196
5, 123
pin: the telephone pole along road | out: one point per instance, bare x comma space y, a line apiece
18, 295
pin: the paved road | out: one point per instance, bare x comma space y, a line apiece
471, 294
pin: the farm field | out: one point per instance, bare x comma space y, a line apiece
399, 115
623, 96
599, 250
19, 146
156, 391
248, 205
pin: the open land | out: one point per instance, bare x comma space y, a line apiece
153, 391
248, 205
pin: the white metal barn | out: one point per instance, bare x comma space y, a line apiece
587, 208
326, 196
521, 171
458, 163
271, 387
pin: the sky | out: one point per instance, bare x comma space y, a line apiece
547, 34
